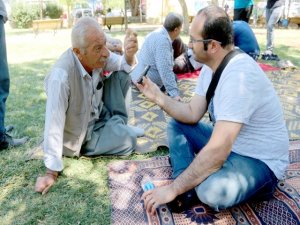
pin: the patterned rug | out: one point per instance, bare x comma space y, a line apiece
152, 119
126, 177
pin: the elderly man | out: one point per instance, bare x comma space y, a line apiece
157, 52
86, 112
245, 152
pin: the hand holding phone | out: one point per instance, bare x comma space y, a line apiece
144, 73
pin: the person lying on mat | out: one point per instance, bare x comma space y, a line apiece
86, 112
243, 153
245, 39
157, 52
184, 61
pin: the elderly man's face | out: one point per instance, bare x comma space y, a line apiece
96, 54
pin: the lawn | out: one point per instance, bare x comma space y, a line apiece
81, 194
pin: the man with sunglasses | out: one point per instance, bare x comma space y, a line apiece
242, 154
86, 112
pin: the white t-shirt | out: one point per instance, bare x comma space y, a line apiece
245, 95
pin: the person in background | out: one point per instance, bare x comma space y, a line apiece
109, 13
243, 10
114, 45
87, 112
255, 14
157, 52
245, 39
6, 141
244, 151
274, 10
184, 61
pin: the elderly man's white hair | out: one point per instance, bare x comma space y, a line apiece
80, 30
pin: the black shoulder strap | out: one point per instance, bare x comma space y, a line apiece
216, 76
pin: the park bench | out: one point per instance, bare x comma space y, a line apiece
114, 20
47, 24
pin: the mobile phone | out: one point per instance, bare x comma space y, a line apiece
144, 73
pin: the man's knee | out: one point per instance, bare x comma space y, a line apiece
218, 193
174, 128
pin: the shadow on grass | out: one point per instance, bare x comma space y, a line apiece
80, 195
72, 200
25, 106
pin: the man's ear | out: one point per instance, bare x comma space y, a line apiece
76, 51
214, 46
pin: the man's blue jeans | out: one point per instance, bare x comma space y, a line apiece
239, 179
272, 17
4, 76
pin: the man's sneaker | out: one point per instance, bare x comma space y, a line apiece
270, 57
268, 52
184, 202
7, 141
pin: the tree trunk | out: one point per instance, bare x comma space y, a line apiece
215, 2
134, 5
186, 23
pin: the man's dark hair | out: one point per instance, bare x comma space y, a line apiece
217, 25
172, 21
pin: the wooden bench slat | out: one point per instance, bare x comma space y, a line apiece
48, 24
114, 20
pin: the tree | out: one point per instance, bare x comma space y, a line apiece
215, 2
134, 6
186, 22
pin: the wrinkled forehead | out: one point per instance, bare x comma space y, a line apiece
96, 36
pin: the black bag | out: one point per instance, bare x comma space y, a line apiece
216, 76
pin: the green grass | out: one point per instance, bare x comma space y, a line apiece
81, 194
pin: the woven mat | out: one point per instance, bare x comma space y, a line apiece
125, 178
152, 119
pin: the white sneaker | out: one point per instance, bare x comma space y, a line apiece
137, 130
268, 52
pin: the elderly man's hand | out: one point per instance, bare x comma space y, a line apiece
44, 183
130, 46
